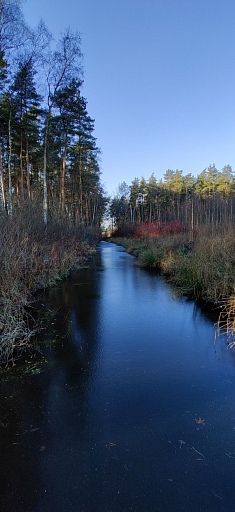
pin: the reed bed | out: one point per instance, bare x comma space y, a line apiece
33, 258
201, 266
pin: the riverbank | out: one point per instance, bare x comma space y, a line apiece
201, 266
129, 409
34, 258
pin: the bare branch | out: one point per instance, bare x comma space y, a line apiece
13, 30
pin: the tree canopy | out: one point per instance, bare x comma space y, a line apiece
208, 198
48, 151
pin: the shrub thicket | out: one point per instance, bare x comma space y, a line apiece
32, 257
200, 264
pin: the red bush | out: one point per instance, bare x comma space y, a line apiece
156, 229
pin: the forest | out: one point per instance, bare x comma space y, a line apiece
51, 198
183, 226
52, 202
208, 199
48, 152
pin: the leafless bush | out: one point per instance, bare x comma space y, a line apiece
226, 323
32, 257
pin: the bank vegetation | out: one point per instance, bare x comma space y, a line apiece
51, 197
33, 258
184, 227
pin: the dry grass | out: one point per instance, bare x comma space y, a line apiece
226, 323
32, 258
200, 268
208, 270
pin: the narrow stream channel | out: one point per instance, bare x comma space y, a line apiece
135, 408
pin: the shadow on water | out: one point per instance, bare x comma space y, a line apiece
32, 402
134, 409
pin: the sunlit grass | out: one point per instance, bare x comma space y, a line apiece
33, 258
226, 323
202, 267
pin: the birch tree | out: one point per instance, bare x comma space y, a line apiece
60, 66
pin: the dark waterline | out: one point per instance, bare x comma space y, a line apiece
135, 409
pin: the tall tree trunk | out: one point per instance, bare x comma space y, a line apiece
80, 185
21, 164
62, 177
45, 202
192, 216
27, 158
2, 189
27, 168
10, 208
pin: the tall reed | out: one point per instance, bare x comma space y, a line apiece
32, 257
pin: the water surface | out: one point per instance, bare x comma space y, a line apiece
135, 409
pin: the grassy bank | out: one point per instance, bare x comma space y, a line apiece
200, 267
32, 258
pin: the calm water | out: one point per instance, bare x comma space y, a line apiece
135, 409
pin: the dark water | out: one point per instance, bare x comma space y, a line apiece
135, 408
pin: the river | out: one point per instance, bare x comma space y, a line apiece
134, 409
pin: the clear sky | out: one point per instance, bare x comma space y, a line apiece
159, 80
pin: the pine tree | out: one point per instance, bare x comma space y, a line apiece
27, 103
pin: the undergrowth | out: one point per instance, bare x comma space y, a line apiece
199, 264
32, 258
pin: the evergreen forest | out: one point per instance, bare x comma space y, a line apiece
51, 198
48, 152
208, 199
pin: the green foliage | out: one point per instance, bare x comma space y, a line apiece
208, 199
3, 69
151, 257
47, 146
209, 269
203, 267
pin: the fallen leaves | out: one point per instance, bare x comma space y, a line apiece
200, 421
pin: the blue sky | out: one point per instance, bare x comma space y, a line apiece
159, 80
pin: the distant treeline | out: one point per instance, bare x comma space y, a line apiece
208, 199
